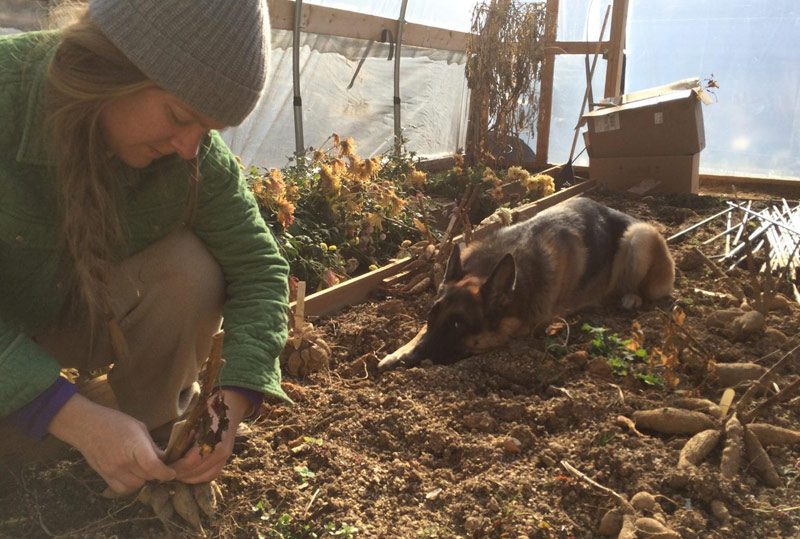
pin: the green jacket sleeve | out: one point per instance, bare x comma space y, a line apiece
255, 313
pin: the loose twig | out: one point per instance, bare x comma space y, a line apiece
733, 286
626, 506
762, 381
783, 394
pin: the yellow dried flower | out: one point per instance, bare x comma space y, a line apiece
373, 166
330, 183
374, 219
285, 212
517, 174
319, 155
335, 139
275, 181
395, 204
416, 179
292, 192
339, 166
458, 160
347, 146
541, 185
489, 175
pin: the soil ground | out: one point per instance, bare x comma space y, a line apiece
475, 449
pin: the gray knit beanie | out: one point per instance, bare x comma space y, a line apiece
211, 54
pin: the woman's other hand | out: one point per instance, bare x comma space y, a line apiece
194, 468
116, 446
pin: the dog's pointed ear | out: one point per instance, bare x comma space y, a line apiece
454, 271
499, 287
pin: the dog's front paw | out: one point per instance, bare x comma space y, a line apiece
631, 301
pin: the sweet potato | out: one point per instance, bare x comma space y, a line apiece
772, 435
185, 505
698, 447
628, 530
759, 460
653, 529
156, 495
698, 405
205, 496
732, 453
673, 421
730, 374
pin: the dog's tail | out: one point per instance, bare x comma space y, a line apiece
643, 266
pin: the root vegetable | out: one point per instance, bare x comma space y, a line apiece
747, 324
186, 506
730, 374
644, 501
698, 405
653, 529
611, 523
732, 453
673, 421
773, 435
157, 497
719, 511
421, 286
628, 530
759, 460
205, 496
698, 447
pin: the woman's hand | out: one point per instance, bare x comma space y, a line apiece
194, 468
115, 445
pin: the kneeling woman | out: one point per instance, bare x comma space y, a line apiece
127, 232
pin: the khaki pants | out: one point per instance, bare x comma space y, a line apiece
168, 299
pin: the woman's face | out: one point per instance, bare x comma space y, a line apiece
151, 123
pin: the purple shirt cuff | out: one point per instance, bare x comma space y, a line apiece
255, 397
34, 418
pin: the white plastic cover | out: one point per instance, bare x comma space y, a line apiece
433, 90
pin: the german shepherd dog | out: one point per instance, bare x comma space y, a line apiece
572, 255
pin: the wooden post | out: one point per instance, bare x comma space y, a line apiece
546, 88
616, 50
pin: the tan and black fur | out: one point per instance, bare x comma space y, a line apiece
575, 254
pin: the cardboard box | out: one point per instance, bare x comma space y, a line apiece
667, 174
667, 120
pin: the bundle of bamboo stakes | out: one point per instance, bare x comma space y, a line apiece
775, 230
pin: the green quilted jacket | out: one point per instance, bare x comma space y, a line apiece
34, 271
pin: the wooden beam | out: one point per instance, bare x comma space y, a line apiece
343, 23
717, 179
546, 88
577, 47
351, 292
616, 49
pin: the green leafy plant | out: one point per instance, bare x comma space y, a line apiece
622, 355
336, 215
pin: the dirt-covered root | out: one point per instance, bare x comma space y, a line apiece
673, 421
758, 459
734, 448
698, 448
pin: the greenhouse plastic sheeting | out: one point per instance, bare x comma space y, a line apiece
433, 91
